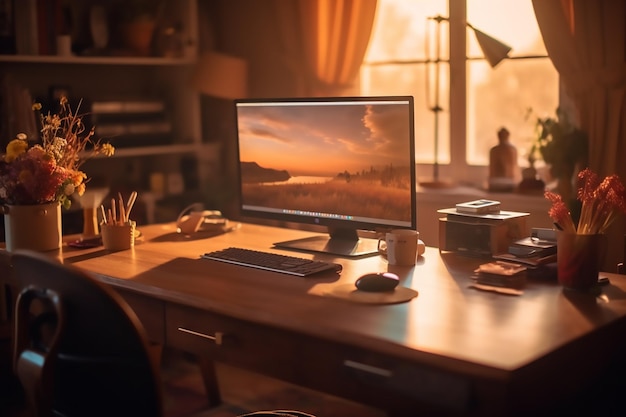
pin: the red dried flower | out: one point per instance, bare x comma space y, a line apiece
559, 212
587, 182
601, 202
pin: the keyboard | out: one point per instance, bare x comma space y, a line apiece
284, 264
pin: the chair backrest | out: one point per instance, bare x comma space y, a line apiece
79, 350
10, 391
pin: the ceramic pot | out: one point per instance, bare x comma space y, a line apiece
34, 227
579, 258
137, 36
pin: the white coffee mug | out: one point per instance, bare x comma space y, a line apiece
401, 246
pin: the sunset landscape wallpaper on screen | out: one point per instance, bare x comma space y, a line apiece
327, 158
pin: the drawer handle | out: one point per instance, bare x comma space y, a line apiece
367, 368
218, 338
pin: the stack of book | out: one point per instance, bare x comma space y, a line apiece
127, 123
537, 249
499, 275
537, 252
36, 24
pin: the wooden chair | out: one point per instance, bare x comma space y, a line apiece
79, 349
11, 395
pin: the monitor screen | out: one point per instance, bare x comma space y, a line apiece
347, 163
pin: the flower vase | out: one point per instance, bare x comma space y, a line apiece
34, 227
579, 258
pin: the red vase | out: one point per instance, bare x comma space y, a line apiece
579, 258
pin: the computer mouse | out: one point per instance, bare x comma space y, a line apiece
377, 282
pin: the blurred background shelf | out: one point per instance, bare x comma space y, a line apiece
175, 161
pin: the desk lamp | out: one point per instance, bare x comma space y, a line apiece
493, 50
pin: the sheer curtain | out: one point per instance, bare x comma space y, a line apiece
324, 42
586, 41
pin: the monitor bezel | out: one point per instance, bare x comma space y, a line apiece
332, 224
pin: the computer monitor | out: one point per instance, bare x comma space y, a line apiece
347, 163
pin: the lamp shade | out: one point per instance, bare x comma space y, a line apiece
494, 50
220, 75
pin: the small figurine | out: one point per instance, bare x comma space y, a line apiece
503, 167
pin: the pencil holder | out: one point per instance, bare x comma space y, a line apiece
117, 237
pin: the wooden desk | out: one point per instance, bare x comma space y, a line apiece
452, 350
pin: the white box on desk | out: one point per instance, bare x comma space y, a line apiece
481, 235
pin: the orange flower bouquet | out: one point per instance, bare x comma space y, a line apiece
49, 172
602, 201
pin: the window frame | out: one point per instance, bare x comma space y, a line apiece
459, 171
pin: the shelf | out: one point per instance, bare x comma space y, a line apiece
160, 150
108, 75
99, 60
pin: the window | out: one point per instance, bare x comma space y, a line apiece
401, 59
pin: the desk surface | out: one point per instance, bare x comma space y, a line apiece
448, 325
451, 347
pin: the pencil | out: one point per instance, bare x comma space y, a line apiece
104, 214
123, 218
130, 203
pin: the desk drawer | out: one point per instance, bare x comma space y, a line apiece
378, 379
150, 311
341, 370
253, 347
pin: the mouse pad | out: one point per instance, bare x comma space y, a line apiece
350, 293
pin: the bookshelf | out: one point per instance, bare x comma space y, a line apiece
114, 73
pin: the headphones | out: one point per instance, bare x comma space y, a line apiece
194, 219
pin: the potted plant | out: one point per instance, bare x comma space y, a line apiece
38, 177
563, 147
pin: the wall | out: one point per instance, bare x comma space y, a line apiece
248, 29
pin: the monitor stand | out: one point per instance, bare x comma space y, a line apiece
342, 242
